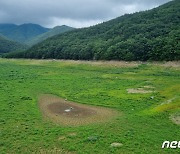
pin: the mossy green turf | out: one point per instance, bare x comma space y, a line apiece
141, 127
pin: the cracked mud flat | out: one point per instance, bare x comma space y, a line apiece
69, 113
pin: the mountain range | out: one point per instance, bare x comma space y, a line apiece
146, 35
22, 33
30, 34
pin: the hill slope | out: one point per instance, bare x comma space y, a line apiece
148, 35
21, 33
55, 31
8, 46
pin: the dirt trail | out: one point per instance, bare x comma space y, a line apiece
73, 114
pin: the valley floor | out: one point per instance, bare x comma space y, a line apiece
147, 96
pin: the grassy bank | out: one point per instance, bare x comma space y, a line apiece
142, 126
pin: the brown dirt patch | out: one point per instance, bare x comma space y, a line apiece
175, 119
73, 114
139, 91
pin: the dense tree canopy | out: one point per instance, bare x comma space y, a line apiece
147, 35
8, 46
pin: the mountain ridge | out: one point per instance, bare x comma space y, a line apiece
52, 32
22, 33
30, 33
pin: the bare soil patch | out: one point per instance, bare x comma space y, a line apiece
69, 113
116, 145
175, 118
139, 91
149, 87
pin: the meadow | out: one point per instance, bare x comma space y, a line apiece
147, 96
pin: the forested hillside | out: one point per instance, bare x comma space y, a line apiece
8, 46
55, 31
147, 35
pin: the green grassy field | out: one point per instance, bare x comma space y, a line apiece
143, 125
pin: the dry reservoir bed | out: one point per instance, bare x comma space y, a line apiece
73, 114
